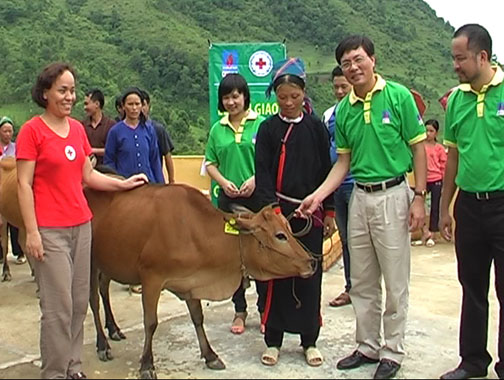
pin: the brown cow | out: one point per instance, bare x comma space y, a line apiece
171, 237
9, 209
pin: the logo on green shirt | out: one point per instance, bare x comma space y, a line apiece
500, 109
386, 117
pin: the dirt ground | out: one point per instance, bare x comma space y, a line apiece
431, 336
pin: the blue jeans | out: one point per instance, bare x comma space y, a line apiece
341, 201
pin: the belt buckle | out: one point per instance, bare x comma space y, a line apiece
368, 187
482, 196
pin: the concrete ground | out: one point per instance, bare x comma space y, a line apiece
431, 336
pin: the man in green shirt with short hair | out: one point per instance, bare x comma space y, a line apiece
379, 133
474, 133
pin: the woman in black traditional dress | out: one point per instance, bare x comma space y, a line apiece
292, 160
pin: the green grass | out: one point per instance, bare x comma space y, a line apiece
161, 45
19, 112
316, 60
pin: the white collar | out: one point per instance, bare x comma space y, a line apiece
289, 120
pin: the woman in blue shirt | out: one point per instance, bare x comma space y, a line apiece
132, 146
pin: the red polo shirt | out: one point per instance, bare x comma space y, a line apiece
57, 180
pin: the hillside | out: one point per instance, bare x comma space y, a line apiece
162, 46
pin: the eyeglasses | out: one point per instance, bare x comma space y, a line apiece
347, 64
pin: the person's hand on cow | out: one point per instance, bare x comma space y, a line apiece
34, 246
230, 189
417, 213
135, 181
329, 226
248, 187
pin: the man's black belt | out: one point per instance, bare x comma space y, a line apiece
371, 188
485, 196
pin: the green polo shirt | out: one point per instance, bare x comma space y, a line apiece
378, 131
232, 151
474, 125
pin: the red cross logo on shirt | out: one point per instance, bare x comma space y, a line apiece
70, 153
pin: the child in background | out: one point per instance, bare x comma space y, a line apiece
436, 162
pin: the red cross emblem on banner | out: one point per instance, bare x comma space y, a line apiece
260, 63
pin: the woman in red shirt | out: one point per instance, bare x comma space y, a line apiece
436, 162
52, 163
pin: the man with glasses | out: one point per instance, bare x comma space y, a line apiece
474, 134
379, 135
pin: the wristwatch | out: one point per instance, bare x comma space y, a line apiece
422, 193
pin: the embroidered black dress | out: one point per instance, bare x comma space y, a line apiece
293, 304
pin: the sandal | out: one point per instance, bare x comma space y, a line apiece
313, 356
342, 300
137, 289
270, 356
238, 326
430, 243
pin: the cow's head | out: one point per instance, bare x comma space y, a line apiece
268, 248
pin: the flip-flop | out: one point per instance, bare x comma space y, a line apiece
137, 289
342, 300
239, 328
430, 243
313, 356
416, 243
270, 356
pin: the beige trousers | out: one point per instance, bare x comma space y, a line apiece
63, 279
379, 244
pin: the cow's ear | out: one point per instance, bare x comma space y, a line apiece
241, 222
245, 225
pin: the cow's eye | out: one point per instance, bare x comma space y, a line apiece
281, 236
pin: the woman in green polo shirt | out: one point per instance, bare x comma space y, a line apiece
229, 160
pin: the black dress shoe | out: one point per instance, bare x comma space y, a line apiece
500, 373
355, 360
387, 369
77, 375
461, 373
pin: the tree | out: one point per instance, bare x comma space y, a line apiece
11, 10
